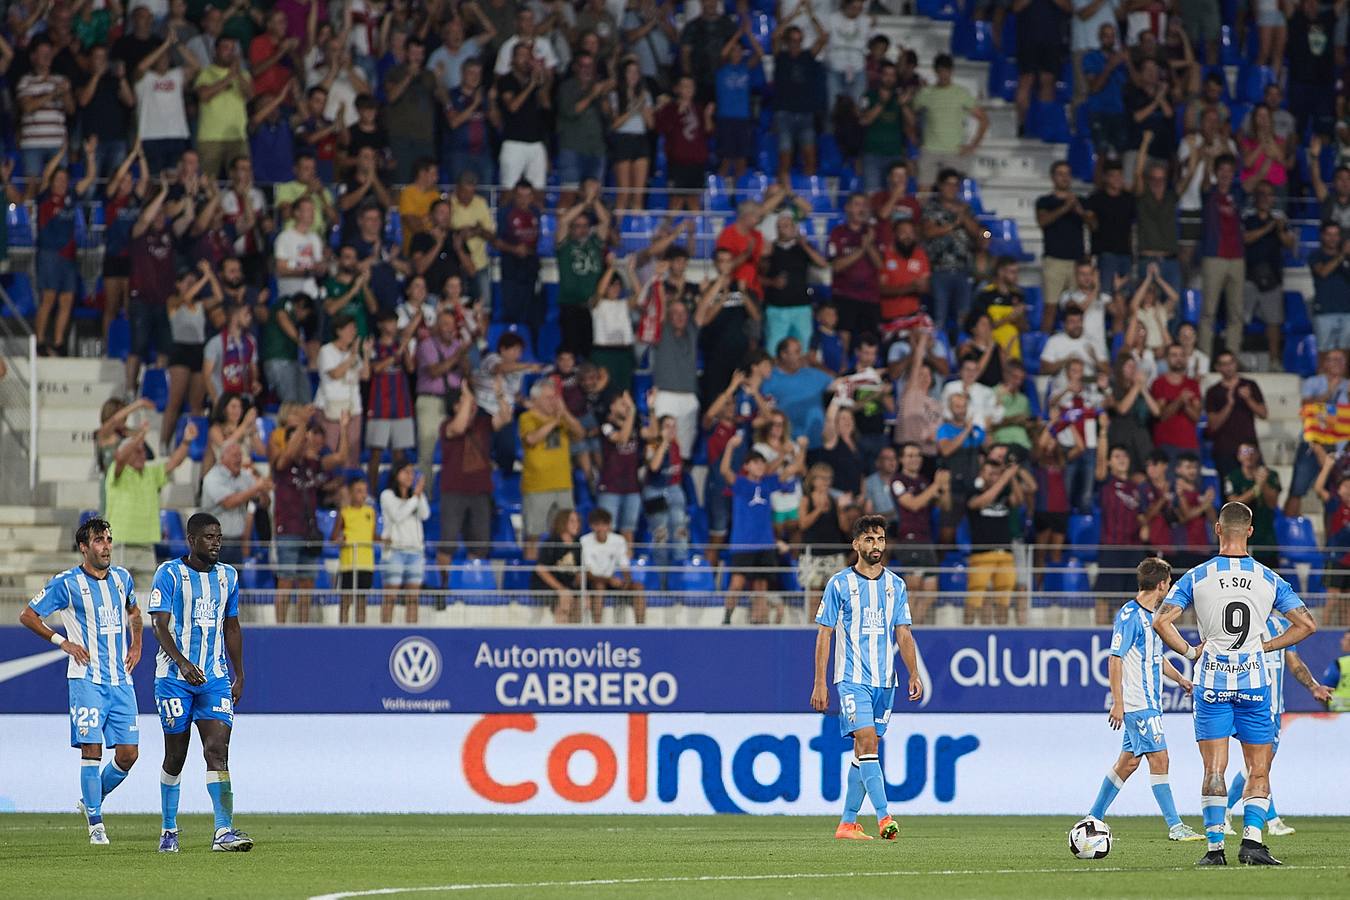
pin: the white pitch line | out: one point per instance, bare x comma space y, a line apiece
693, 879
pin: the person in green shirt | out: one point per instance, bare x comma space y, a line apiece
944, 108
581, 127
223, 90
306, 183
1258, 487
1014, 409
282, 332
581, 262
883, 139
132, 488
347, 292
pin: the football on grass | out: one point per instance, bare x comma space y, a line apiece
1090, 839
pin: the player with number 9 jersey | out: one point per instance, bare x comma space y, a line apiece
1232, 598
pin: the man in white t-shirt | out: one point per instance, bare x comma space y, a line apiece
300, 253
604, 556
1088, 298
161, 116
526, 31
846, 52
983, 404
1071, 343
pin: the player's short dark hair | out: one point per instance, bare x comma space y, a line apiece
1152, 572
1235, 516
600, 516
90, 527
863, 524
199, 522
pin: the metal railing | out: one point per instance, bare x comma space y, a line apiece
18, 406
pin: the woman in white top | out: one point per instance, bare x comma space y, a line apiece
612, 325
629, 109
404, 507
1152, 306
329, 65
161, 116
343, 365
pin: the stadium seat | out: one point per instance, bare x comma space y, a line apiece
942, 10
1051, 122
635, 232
548, 228
326, 519
952, 578
696, 583
1253, 81
970, 192
197, 449
1082, 157
506, 490
1191, 301
1033, 342
155, 387
644, 574
475, 583
1084, 536
171, 532
119, 338
496, 330
751, 186
1296, 321
981, 41
20, 226
1003, 77
715, 196
20, 289
1005, 241
1300, 355
87, 514
1297, 539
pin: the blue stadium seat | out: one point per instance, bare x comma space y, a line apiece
696, 582
1005, 241
155, 387
635, 232
475, 583
1049, 121
970, 192
1300, 355
393, 228
171, 532
326, 519
1253, 81
119, 338
644, 574
1003, 77
497, 329
548, 234
1297, 539
831, 162
761, 31
1082, 157
516, 578
1084, 536
1191, 302
506, 490
1033, 342
981, 41
752, 185
1296, 320
87, 514
20, 289
952, 578
1229, 54
963, 37
963, 536
197, 449
715, 196
20, 226
942, 10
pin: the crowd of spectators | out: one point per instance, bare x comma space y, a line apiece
272, 180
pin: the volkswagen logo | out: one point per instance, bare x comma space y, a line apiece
415, 665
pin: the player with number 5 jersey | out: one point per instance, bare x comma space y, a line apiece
864, 609
97, 603
1233, 595
194, 605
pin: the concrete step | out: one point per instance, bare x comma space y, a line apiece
19, 516
78, 495
30, 582
31, 537
83, 395
80, 467
73, 370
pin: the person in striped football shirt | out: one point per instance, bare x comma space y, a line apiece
1233, 595
194, 606
1136, 670
864, 607
1278, 662
97, 602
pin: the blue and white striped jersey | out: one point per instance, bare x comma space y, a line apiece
1233, 597
92, 613
1276, 626
198, 603
864, 613
1140, 650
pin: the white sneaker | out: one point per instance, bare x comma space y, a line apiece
1183, 832
1277, 827
98, 835
1228, 826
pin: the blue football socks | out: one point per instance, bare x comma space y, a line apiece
1235, 790
853, 796
91, 790
218, 786
112, 777
1254, 818
168, 799
1213, 809
1111, 786
1162, 792
874, 783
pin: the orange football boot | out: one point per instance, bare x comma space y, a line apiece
851, 831
889, 830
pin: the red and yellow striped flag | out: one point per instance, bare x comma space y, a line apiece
1326, 423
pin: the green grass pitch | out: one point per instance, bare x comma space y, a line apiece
612, 856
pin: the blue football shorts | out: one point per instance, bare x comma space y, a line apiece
861, 706
102, 714
1243, 713
1143, 732
180, 704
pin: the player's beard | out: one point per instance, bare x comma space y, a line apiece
873, 558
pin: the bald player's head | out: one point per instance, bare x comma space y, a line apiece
1235, 519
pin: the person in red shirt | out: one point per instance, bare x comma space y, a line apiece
743, 238
855, 260
1223, 265
1120, 511
271, 57
1196, 516
904, 279
687, 127
1175, 430
894, 203
1157, 502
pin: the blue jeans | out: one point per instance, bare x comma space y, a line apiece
455, 164
574, 167
783, 322
669, 528
1169, 268
1078, 479
1333, 331
1305, 471
874, 167
794, 129
1109, 265
35, 159
951, 293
